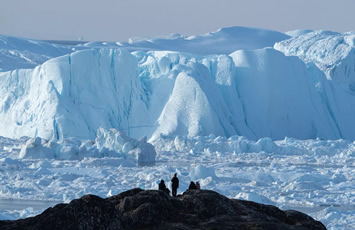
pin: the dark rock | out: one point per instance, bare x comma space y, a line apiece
153, 209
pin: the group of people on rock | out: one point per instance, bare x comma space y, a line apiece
175, 185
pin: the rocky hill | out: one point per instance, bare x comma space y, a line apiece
152, 209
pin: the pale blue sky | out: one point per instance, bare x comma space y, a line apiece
118, 20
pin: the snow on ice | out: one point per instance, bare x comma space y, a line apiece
253, 114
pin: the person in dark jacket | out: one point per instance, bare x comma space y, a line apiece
174, 184
192, 185
163, 188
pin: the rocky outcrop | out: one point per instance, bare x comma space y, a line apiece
152, 209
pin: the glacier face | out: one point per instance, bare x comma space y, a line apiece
254, 88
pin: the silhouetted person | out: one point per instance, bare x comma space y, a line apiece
174, 184
198, 185
192, 185
163, 188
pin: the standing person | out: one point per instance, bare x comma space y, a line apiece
198, 185
174, 184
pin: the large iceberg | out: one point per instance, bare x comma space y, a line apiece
256, 91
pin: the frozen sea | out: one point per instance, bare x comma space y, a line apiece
312, 176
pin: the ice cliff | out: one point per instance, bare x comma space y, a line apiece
236, 81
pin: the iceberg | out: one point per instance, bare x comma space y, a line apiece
262, 87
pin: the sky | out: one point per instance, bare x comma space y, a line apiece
119, 20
